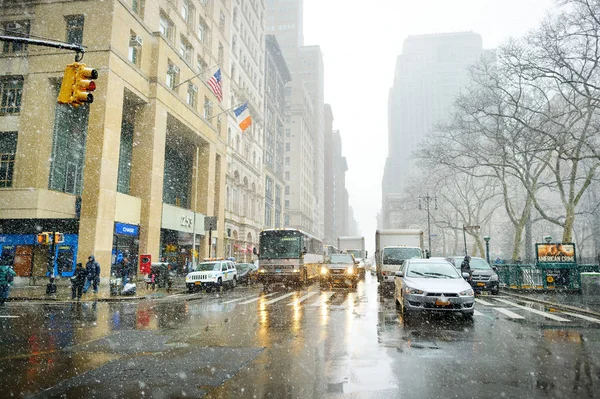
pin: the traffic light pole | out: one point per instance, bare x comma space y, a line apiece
52, 253
78, 48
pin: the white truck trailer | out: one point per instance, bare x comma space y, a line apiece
356, 247
392, 247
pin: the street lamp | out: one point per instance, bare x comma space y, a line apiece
487, 247
548, 239
427, 200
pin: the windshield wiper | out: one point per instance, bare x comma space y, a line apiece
417, 273
438, 274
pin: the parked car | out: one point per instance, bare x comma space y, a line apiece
247, 273
213, 274
425, 285
339, 268
483, 276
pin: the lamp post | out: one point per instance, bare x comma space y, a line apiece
428, 200
548, 239
487, 248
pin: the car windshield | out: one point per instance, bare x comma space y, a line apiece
479, 264
211, 266
395, 256
339, 258
440, 269
355, 252
242, 267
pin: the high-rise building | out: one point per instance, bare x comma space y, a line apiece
245, 177
429, 74
137, 171
276, 77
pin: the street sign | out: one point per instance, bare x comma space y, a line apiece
210, 223
471, 227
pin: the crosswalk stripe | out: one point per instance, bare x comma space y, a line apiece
279, 298
539, 312
9, 317
588, 318
510, 314
481, 301
305, 297
248, 297
322, 299
255, 299
477, 313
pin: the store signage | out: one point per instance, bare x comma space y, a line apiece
184, 220
555, 253
126, 229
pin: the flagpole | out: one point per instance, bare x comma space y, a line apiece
198, 75
227, 110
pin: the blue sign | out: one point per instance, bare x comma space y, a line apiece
126, 229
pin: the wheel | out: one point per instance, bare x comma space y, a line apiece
495, 292
469, 315
220, 285
234, 282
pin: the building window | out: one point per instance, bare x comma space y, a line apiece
125, 157
287, 176
8, 148
287, 190
288, 132
186, 50
15, 28
68, 148
178, 175
200, 66
287, 204
287, 161
221, 21
287, 147
75, 29
202, 30
192, 92
286, 219
137, 6
11, 91
135, 48
166, 27
172, 75
185, 10
220, 54
208, 108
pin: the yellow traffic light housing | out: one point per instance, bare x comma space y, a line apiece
43, 238
59, 238
77, 85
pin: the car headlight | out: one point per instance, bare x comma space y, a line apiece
494, 277
296, 271
413, 291
350, 270
324, 270
468, 292
261, 271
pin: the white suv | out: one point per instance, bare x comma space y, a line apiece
212, 274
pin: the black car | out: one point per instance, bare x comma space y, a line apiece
247, 273
483, 276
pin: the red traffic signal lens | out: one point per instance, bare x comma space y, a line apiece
92, 86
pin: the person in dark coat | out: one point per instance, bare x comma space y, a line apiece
78, 281
92, 269
125, 270
465, 266
7, 276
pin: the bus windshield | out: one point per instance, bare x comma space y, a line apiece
395, 256
279, 245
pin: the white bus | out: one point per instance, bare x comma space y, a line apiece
289, 256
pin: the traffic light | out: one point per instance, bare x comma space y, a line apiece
44, 238
77, 85
84, 85
59, 238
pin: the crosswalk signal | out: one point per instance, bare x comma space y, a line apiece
44, 238
84, 85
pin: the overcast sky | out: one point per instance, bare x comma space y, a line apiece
360, 41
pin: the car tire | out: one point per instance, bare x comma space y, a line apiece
469, 315
495, 292
219, 285
234, 282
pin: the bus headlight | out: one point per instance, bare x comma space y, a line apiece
324, 270
350, 270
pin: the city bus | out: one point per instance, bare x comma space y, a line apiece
289, 257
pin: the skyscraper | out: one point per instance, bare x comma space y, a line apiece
429, 74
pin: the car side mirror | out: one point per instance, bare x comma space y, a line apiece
399, 273
466, 275
494, 268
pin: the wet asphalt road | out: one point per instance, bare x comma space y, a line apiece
307, 343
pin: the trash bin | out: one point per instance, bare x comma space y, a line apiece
590, 287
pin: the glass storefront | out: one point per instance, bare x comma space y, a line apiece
125, 244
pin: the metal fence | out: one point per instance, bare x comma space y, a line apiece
547, 277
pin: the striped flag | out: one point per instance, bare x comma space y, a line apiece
215, 85
243, 116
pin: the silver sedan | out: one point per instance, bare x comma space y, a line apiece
426, 285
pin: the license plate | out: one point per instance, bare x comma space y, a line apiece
481, 284
278, 271
441, 303
198, 283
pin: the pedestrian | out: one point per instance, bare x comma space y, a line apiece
92, 269
124, 270
78, 281
465, 266
7, 276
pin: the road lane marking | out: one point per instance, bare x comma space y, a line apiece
588, 318
481, 301
508, 313
477, 313
255, 299
248, 297
305, 297
539, 312
279, 298
9, 317
322, 299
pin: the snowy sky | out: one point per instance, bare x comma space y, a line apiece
360, 41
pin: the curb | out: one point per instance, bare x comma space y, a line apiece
109, 299
553, 304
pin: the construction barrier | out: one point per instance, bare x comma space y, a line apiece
546, 277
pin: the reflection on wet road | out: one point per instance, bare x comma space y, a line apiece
307, 343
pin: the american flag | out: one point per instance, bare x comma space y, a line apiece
215, 85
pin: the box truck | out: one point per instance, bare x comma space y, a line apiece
356, 247
392, 247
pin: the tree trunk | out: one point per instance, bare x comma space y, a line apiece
528, 240
518, 238
568, 227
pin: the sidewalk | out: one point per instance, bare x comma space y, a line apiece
568, 300
63, 292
